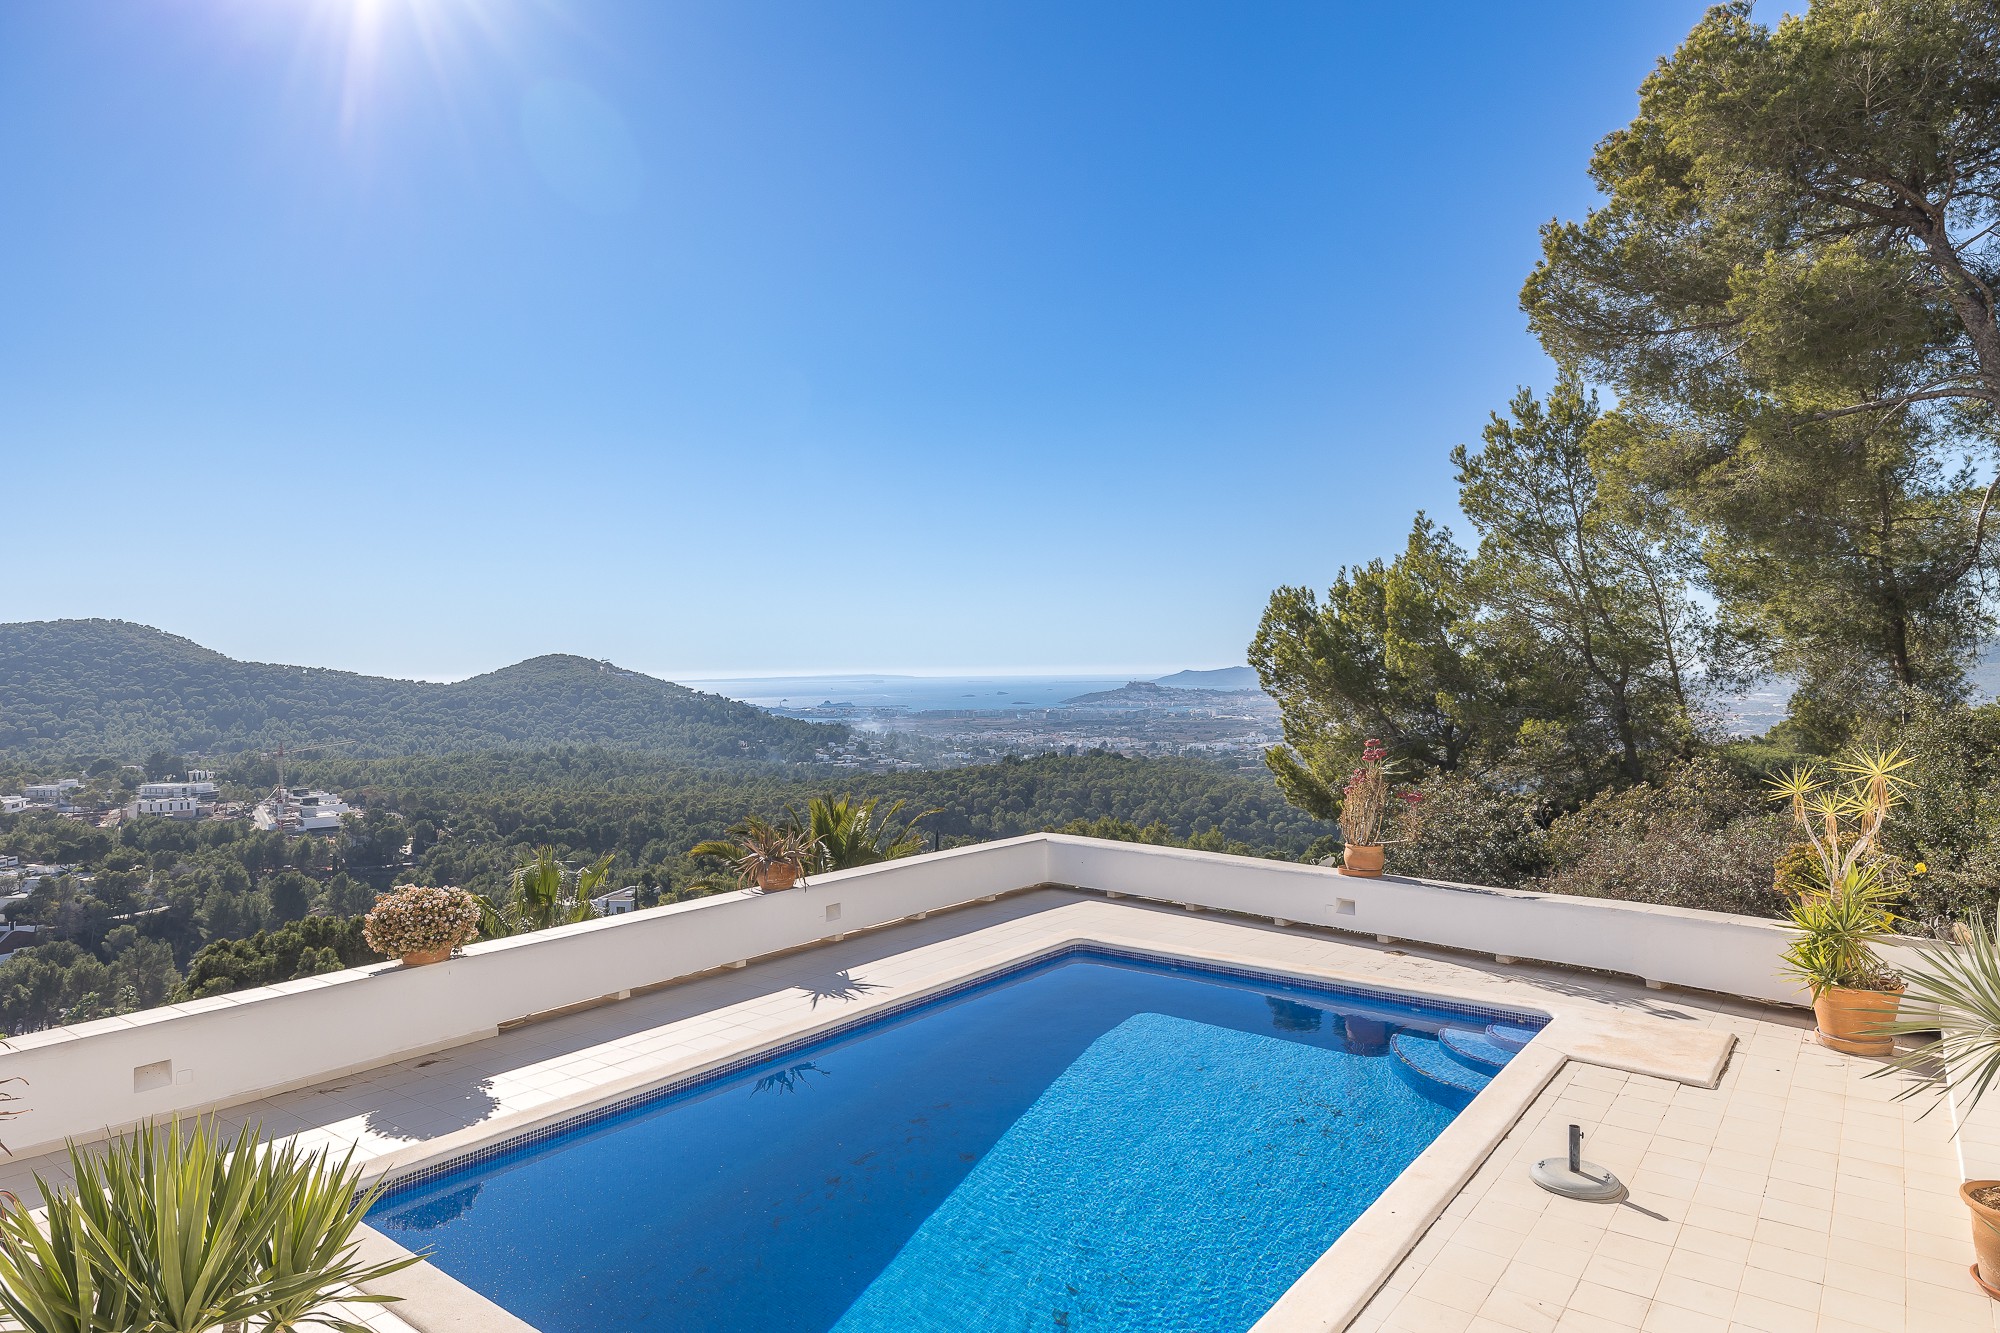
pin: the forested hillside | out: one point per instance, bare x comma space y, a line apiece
155, 908
114, 688
597, 801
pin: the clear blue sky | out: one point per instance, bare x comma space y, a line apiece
420, 336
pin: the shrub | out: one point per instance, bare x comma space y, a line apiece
1704, 837
1950, 825
1473, 831
413, 919
302, 949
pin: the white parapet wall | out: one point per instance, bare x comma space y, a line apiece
80, 1081
1677, 946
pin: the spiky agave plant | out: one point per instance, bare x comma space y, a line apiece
1842, 818
51, 1280
310, 1255
1849, 904
183, 1231
179, 1218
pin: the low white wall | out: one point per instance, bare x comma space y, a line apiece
82, 1080
1678, 946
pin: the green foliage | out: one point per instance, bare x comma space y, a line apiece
848, 832
1702, 837
1836, 932
1952, 990
1788, 288
302, 949
176, 1230
1392, 653
74, 686
1155, 834
651, 813
757, 850
1592, 610
1950, 823
1556, 654
62, 982
51, 1278
1474, 830
545, 891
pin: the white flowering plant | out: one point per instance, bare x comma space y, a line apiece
420, 919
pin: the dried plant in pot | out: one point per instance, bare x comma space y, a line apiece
421, 924
1845, 904
1365, 809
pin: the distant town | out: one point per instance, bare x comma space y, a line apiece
1140, 718
195, 795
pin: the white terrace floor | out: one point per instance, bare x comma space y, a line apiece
1797, 1196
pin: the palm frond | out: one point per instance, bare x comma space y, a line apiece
1953, 989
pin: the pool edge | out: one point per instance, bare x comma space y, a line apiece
1337, 1285
396, 1171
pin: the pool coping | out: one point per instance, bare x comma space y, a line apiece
1324, 1299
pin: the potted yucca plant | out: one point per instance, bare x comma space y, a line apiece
421, 924
1844, 904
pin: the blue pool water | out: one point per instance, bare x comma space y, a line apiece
1095, 1144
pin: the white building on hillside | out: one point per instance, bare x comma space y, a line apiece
617, 902
301, 812
169, 807
50, 793
158, 791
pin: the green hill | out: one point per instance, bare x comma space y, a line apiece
114, 688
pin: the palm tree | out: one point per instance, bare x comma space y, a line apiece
545, 891
849, 832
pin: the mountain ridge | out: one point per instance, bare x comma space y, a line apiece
116, 687
1217, 678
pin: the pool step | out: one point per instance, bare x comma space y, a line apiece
1473, 1049
1510, 1035
1431, 1070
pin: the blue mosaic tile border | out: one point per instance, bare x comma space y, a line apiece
400, 1183
1412, 998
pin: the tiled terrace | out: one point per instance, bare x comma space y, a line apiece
1796, 1196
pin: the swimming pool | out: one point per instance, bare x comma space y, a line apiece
1095, 1142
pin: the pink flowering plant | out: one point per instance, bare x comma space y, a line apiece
1372, 795
414, 919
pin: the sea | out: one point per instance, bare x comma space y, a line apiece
1748, 713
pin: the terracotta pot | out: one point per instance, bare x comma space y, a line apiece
428, 956
773, 878
1985, 1236
1361, 859
1848, 1018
